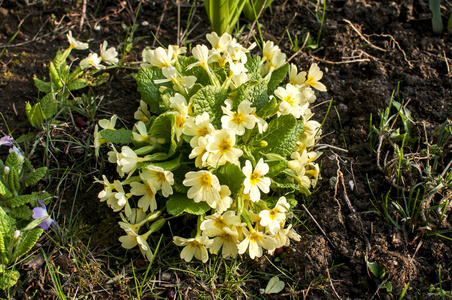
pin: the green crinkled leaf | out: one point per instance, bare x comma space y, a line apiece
13, 161
5, 228
254, 91
77, 84
22, 212
34, 114
202, 78
55, 75
32, 199
148, 89
277, 77
100, 79
276, 167
26, 138
4, 191
13, 181
43, 86
281, 136
270, 109
209, 99
28, 240
8, 278
169, 165
49, 105
230, 175
253, 64
34, 176
120, 136
163, 128
290, 186
21, 200
179, 204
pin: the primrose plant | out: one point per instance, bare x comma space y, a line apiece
23, 217
63, 81
218, 138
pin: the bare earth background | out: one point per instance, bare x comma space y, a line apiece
366, 49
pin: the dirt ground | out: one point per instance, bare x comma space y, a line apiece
367, 48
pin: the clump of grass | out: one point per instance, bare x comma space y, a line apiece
416, 166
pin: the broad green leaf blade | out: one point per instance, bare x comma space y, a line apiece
34, 176
8, 278
13, 181
4, 191
5, 230
35, 115
148, 89
120, 136
43, 86
230, 175
49, 105
22, 212
28, 240
209, 99
77, 84
281, 136
254, 91
179, 204
290, 186
274, 286
163, 129
277, 77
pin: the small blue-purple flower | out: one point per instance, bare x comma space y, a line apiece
41, 213
6, 141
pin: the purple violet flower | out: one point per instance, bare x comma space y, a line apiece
41, 213
6, 140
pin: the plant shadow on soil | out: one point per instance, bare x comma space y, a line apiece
366, 49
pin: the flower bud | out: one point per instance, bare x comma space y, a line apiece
16, 234
6, 170
264, 144
157, 225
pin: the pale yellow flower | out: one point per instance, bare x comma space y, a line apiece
73, 43
238, 121
204, 186
314, 75
255, 180
255, 242
92, 60
194, 247
197, 127
222, 145
159, 178
108, 56
147, 191
273, 218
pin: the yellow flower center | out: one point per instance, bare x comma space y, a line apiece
272, 214
255, 178
219, 223
238, 118
203, 131
290, 100
224, 146
205, 180
180, 121
161, 177
255, 237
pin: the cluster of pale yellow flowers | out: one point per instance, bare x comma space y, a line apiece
236, 223
93, 60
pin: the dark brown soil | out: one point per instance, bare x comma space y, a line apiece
367, 48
